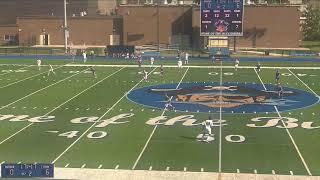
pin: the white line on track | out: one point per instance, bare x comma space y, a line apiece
202, 170
67, 165
26, 78
100, 166
288, 132
39, 90
88, 129
303, 82
291, 172
117, 166
255, 171
273, 172
84, 165
167, 168
238, 170
60, 105
2, 162
155, 127
185, 169
150, 168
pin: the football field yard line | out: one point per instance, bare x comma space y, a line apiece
303, 82
154, 129
42, 89
27, 78
220, 119
193, 66
15, 70
61, 105
288, 132
98, 120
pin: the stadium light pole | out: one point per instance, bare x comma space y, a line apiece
158, 21
66, 34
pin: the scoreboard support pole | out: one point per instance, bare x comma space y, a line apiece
234, 43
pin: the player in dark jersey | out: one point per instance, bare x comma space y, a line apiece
161, 70
277, 76
93, 71
258, 67
280, 90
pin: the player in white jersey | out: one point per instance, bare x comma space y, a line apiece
39, 64
236, 64
84, 55
180, 64
145, 75
186, 58
152, 61
207, 124
51, 70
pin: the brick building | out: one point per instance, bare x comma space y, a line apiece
264, 26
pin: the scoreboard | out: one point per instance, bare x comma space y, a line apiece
221, 17
27, 170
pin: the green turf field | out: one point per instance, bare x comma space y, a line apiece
72, 119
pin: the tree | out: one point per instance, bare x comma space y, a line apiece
311, 26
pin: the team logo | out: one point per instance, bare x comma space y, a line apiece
230, 97
221, 25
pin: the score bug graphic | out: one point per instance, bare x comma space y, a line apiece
221, 17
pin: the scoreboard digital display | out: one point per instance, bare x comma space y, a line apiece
26, 170
221, 17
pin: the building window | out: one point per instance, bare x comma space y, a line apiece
9, 37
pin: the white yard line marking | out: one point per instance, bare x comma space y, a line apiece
291, 172
303, 82
168, 168
238, 170
15, 70
185, 169
26, 78
67, 165
273, 172
192, 66
60, 105
255, 171
154, 129
202, 170
100, 166
88, 129
2, 162
39, 90
288, 132
84, 165
150, 168
19, 162
117, 166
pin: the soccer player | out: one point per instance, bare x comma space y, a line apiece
213, 59
161, 70
277, 76
140, 61
207, 124
39, 64
84, 55
168, 105
258, 67
51, 70
145, 76
280, 90
180, 64
186, 58
236, 64
152, 61
93, 71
